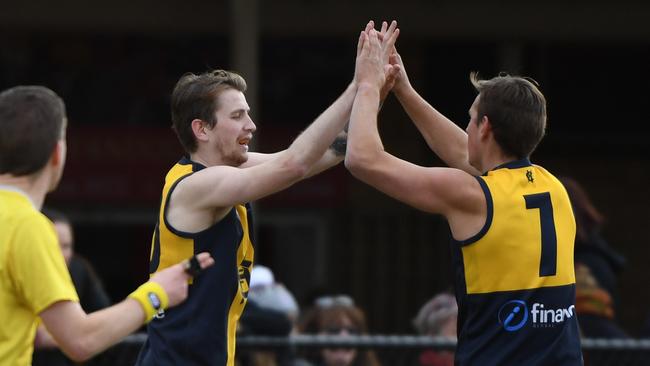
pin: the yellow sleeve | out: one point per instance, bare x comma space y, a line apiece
37, 267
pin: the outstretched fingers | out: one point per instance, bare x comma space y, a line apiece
364, 47
384, 27
369, 26
390, 37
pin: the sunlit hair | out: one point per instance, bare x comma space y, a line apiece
516, 109
32, 121
197, 97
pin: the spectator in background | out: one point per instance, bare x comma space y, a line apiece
271, 311
597, 268
269, 294
90, 290
337, 316
437, 318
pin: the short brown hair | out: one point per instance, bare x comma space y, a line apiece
196, 96
32, 122
516, 109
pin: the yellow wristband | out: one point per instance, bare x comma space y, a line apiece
152, 297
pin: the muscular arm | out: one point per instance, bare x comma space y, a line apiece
333, 155
311, 146
339, 112
223, 186
442, 135
447, 191
367, 161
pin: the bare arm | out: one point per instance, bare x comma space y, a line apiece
333, 155
44, 339
447, 191
82, 335
336, 151
223, 186
442, 135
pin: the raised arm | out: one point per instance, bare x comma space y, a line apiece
225, 186
311, 152
442, 135
366, 158
336, 151
81, 335
333, 155
447, 191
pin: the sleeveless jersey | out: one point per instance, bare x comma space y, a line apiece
201, 330
515, 281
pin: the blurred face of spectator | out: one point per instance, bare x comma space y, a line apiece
64, 232
340, 356
438, 316
448, 328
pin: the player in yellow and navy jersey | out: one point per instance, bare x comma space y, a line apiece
216, 300
512, 224
205, 207
515, 279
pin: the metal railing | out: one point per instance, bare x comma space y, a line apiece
391, 350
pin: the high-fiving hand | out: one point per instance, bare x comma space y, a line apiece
373, 53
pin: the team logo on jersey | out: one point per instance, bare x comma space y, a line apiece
514, 315
244, 278
529, 176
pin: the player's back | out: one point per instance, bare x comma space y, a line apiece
515, 278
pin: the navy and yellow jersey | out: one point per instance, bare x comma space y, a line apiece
515, 280
201, 331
